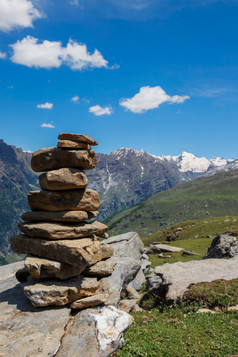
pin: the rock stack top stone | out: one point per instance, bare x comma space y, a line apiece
78, 137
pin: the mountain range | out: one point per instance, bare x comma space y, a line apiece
123, 178
126, 176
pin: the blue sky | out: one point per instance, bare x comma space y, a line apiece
158, 75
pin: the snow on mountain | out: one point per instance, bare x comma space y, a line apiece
187, 162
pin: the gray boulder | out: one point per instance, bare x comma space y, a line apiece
126, 245
153, 281
125, 271
223, 246
178, 276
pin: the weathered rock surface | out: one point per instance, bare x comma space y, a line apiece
95, 333
80, 252
178, 276
78, 137
100, 269
62, 230
127, 305
62, 216
70, 144
94, 300
27, 331
126, 245
63, 179
223, 245
125, 271
139, 280
41, 268
56, 158
68, 200
58, 293
153, 282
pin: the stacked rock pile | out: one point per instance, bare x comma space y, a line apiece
65, 257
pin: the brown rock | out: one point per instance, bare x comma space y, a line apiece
61, 230
79, 252
52, 158
69, 200
127, 305
100, 269
90, 301
63, 179
78, 137
45, 268
58, 293
62, 216
70, 144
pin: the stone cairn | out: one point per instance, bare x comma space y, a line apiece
65, 259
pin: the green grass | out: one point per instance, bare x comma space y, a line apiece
220, 293
195, 229
178, 331
203, 198
199, 245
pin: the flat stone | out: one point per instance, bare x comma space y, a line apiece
61, 230
202, 311
69, 200
63, 179
58, 293
70, 144
167, 248
95, 333
27, 331
56, 158
46, 268
187, 252
131, 293
61, 216
95, 300
78, 137
100, 269
178, 276
79, 252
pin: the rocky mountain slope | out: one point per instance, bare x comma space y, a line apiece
126, 176
16, 179
213, 196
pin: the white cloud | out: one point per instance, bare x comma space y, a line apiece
49, 54
75, 99
98, 110
3, 55
150, 98
46, 105
44, 125
17, 13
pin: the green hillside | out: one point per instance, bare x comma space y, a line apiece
206, 197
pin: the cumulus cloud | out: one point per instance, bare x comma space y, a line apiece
44, 125
48, 54
75, 99
46, 105
98, 110
3, 55
17, 13
150, 98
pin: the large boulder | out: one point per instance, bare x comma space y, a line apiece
177, 277
95, 333
223, 246
126, 245
31, 331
